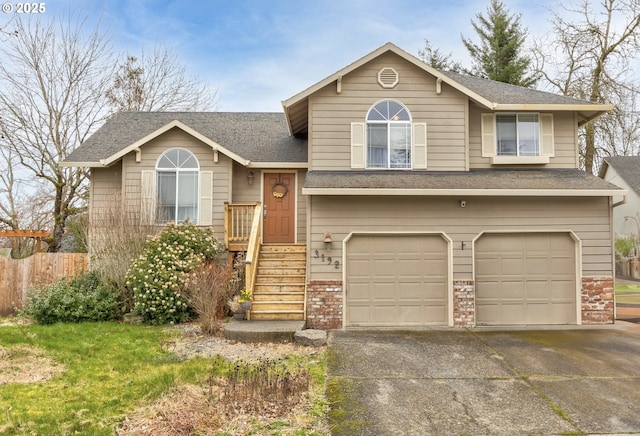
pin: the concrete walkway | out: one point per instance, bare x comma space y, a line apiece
443, 382
262, 331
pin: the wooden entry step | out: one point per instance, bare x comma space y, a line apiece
279, 290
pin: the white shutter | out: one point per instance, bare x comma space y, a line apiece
205, 209
419, 151
546, 135
488, 135
147, 197
357, 145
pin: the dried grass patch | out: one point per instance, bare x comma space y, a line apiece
182, 411
189, 409
26, 364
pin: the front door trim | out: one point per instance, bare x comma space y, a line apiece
293, 191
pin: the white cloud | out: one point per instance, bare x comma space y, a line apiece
261, 52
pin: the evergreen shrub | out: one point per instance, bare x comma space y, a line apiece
80, 299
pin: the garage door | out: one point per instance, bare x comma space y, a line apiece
396, 280
525, 278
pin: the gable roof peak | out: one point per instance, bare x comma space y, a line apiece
489, 94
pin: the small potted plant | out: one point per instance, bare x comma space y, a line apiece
245, 299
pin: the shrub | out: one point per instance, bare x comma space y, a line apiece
267, 387
84, 298
208, 290
117, 238
624, 247
158, 277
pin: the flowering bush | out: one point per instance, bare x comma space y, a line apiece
158, 277
245, 295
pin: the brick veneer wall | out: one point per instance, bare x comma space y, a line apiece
324, 304
464, 303
597, 300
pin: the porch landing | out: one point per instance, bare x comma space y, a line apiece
262, 331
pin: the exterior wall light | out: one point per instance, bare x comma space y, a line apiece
327, 239
250, 177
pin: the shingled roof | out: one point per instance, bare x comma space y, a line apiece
488, 94
505, 93
255, 137
627, 167
474, 182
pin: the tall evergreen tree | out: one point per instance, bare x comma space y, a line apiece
499, 56
435, 58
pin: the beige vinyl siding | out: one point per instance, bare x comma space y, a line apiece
220, 172
105, 185
301, 209
243, 192
331, 115
105, 200
588, 217
564, 141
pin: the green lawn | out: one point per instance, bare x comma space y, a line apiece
110, 370
628, 294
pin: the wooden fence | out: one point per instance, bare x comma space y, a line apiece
18, 276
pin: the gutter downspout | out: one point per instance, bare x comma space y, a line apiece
620, 203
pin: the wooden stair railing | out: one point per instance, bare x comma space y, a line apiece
253, 249
239, 221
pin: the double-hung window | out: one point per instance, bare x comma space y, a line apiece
388, 136
518, 138
518, 134
177, 181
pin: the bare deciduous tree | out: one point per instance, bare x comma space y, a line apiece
158, 82
58, 83
52, 81
589, 58
8, 187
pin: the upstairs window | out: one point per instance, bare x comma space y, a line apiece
517, 138
388, 136
518, 134
177, 172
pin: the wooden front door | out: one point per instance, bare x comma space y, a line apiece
279, 208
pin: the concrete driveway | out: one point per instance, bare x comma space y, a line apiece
450, 381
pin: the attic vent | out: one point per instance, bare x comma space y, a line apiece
388, 77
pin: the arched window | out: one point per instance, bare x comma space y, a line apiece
177, 173
388, 135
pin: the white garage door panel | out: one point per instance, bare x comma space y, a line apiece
397, 280
525, 278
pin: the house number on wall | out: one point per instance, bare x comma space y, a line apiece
327, 259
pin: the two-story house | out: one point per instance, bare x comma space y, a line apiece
387, 194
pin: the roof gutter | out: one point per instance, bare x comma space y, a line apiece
621, 202
468, 192
82, 164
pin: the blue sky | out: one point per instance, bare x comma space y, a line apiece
260, 52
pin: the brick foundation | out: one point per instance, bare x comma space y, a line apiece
324, 304
464, 303
597, 300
